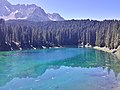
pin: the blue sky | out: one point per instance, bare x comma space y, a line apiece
78, 9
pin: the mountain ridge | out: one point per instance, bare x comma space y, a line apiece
30, 12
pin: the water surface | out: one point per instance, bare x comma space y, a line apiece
59, 69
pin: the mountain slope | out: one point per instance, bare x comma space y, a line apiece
27, 12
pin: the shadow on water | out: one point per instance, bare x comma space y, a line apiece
34, 63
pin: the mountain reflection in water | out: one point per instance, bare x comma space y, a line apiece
35, 63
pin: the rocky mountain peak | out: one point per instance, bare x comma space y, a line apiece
29, 12
55, 17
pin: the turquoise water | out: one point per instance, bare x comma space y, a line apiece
59, 69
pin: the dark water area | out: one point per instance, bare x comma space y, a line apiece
59, 69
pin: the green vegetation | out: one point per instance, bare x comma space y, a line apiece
15, 35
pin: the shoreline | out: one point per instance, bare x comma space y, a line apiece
105, 49
115, 52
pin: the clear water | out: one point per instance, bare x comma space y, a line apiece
59, 69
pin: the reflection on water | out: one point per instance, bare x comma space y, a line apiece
59, 69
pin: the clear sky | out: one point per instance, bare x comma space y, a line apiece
78, 9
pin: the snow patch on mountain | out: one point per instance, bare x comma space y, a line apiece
55, 17
11, 16
22, 11
7, 8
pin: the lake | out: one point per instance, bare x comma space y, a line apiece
59, 69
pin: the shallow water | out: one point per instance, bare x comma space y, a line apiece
59, 69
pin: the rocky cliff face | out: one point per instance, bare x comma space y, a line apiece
16, 35
26, 12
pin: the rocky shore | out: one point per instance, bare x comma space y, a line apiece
116, 52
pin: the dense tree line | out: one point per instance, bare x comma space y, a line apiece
20, 34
